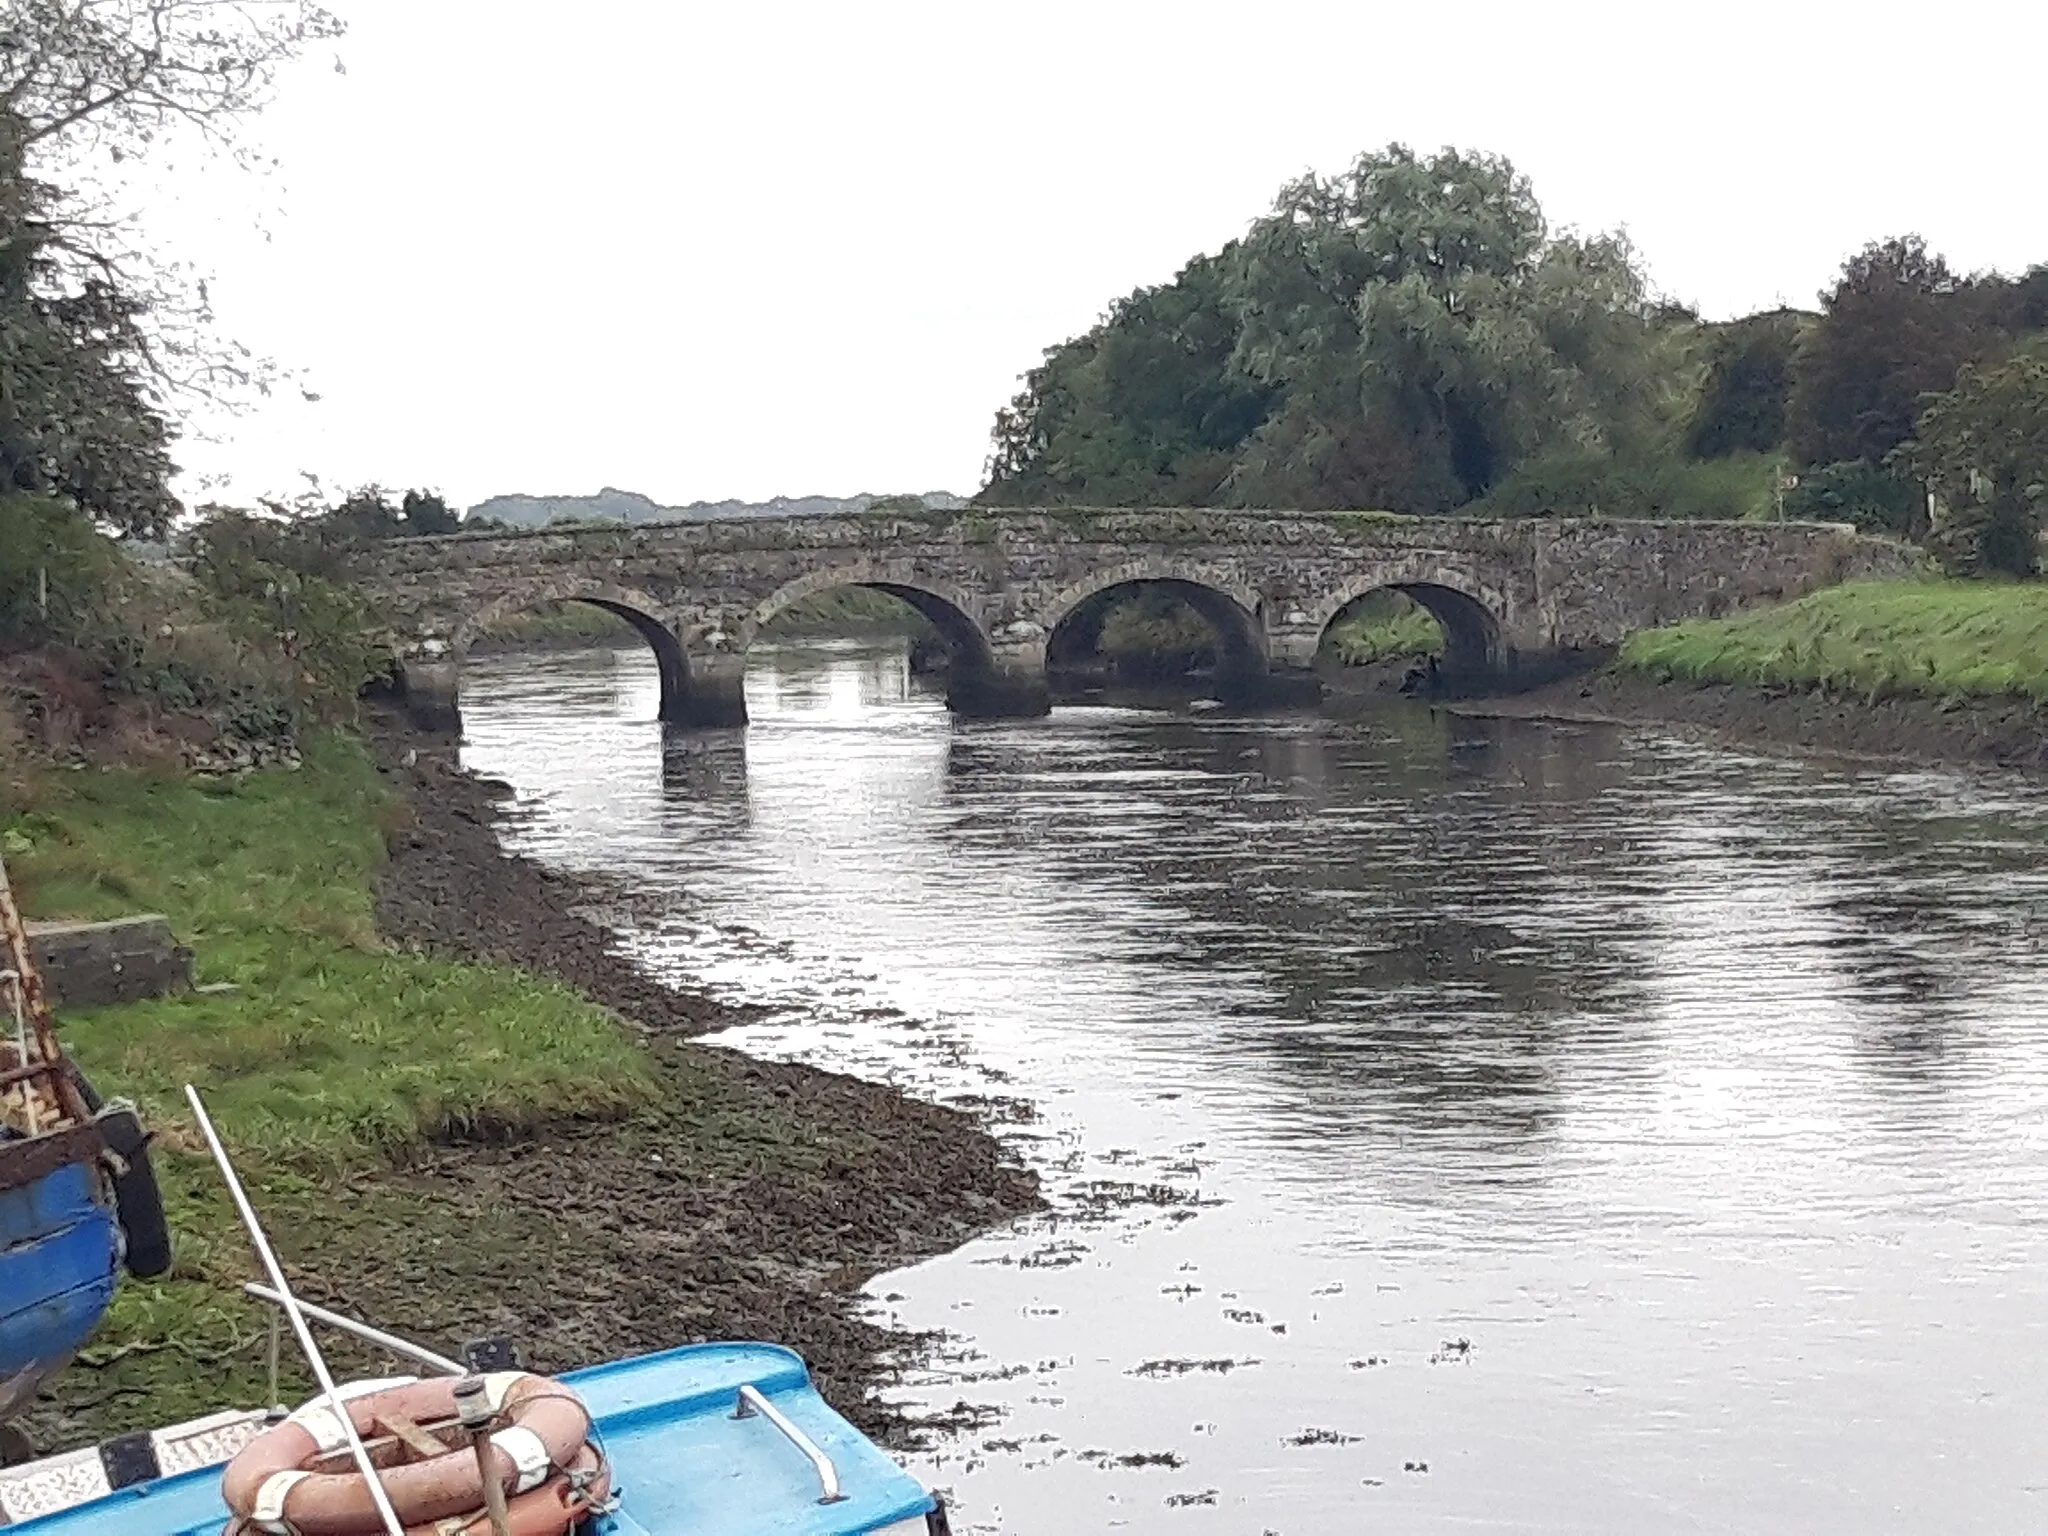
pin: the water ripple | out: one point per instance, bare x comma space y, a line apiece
1633, 1135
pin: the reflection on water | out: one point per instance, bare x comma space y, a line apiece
1449, 1124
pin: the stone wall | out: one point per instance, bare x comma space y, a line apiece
87, 964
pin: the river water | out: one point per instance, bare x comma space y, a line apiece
1447, 1124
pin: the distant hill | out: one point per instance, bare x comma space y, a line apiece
616, 506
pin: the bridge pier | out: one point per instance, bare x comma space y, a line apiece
710, 695
432, 694
999, 692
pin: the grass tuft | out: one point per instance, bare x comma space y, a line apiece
1384, 626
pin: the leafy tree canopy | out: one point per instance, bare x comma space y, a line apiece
1746, 394
1398, 335
79, 420
1898, 325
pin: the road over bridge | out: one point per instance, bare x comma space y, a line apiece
1515, 599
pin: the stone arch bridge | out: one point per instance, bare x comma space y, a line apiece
1516, 599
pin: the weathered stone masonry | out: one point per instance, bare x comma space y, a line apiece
1513, 597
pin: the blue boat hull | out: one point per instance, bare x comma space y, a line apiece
60, 1253
682, 1463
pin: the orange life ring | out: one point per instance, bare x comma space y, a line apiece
544, 1463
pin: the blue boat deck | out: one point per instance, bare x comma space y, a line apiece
682, 1465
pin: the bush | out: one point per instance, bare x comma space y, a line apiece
322, 629
1858, 492
54, 570
256, 648
1982, 449
1749, 381
1735, 486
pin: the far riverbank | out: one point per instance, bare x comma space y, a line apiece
2006, 733
1917, 670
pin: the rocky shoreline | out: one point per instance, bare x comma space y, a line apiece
754, 1205
1983, 732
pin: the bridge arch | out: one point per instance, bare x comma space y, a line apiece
1233, 611
1467, 611
639, 609
945, 607
978, 681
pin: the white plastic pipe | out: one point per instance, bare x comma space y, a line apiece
335, 1403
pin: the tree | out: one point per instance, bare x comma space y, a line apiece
85, 78
1398, 335
1145, 408
1744, 400
424, 512
1982, 451
78, 420
1897, 326
94, 336
1364, 295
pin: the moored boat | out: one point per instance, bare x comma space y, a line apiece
78, 1199
705, 1440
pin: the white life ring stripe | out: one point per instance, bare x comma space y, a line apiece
528, 1454
323, 1424
321, 1421
497, 1384
268, 1513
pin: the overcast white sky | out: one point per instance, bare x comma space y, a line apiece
707, 250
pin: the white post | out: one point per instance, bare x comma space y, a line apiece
290, 1303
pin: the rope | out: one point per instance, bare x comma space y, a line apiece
580, 1482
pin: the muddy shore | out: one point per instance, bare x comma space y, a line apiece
755, 1204
1999, 733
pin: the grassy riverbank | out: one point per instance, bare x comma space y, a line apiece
332, 1044
557, 626
1939, 639
456, 1147
334, 1054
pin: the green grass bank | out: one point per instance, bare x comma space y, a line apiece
1940, 639
334, 1055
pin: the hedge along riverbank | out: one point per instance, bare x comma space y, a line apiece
1930, 638
451, 1147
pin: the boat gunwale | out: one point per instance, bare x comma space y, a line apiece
789, 1374
26, 1159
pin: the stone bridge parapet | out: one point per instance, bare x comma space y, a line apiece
1514, 598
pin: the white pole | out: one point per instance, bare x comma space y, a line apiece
290, 1304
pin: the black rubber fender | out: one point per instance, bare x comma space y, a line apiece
138, 1202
